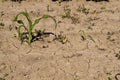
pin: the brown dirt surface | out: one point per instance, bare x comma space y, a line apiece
94, 57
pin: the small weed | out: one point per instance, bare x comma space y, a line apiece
84, 36
28, 35
109, 75
109, 78
68, 15
61, 38
2, 24
83, 9
67, 12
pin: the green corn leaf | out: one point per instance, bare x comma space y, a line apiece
27, 16
19, 33
48, 16
16, 17
29, 38
36, 22
45, 16
24, 14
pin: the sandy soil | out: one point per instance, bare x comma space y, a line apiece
77, 59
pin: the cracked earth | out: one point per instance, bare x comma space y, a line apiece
97, 57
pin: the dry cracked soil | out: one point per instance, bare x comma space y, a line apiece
92, 50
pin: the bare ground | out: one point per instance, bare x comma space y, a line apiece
77, 59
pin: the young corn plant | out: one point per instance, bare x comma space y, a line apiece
30, 34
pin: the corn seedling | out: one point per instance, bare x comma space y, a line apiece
28, 35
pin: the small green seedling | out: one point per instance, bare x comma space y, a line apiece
85, 36
28, 35
61, 38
